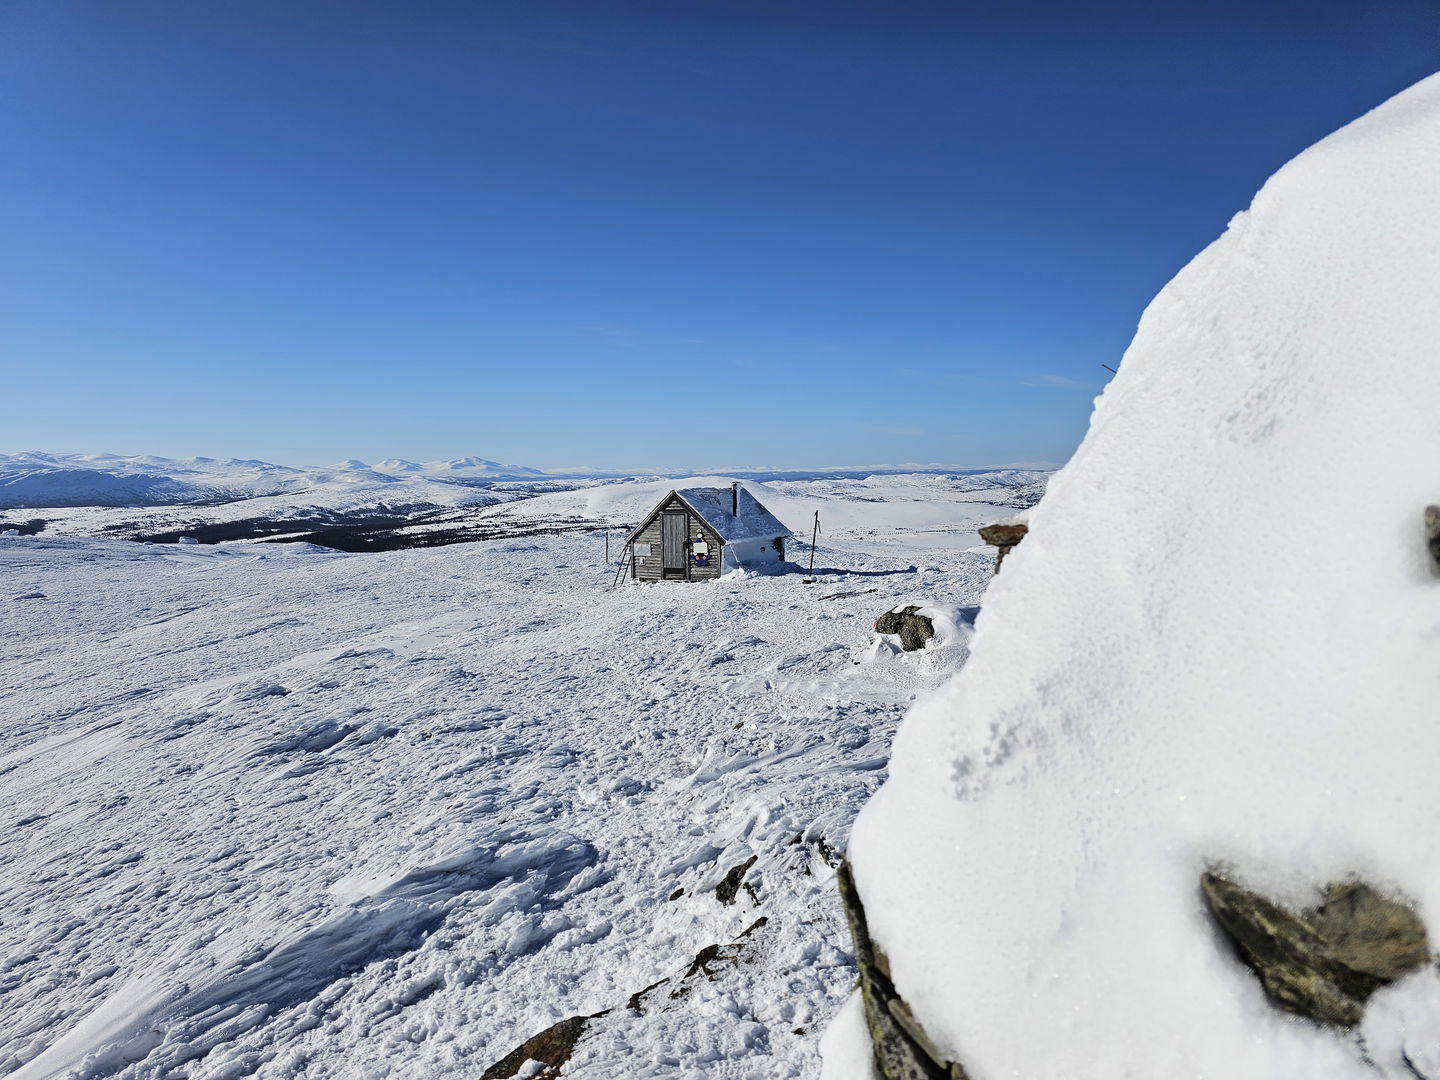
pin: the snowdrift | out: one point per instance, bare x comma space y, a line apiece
1218, 647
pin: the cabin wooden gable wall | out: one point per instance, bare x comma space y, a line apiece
651, 567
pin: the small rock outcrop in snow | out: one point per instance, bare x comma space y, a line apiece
729, 887
916, 627
553, 1048
909, 625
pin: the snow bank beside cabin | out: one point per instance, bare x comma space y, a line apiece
1220, 645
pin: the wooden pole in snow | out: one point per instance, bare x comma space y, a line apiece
814, 536
607, 547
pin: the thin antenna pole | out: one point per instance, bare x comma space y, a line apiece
814, 536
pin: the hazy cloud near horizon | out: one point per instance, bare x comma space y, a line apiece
1055, 382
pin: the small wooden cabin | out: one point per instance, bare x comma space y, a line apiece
700, 533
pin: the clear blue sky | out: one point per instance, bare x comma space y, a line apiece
682, 233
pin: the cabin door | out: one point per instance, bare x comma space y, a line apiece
672, 545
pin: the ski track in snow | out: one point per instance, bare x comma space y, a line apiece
301, 814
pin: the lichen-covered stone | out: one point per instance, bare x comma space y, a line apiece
1370, 933
552, 1047
1323, 963
913, 628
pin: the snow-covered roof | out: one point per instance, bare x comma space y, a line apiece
751, 521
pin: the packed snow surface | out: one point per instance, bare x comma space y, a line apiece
279, 812
1216, 647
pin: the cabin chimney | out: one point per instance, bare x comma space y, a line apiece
735, 499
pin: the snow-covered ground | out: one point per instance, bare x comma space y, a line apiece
280, 812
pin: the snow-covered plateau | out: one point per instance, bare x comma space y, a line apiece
278, 811
357, 510
1215, 657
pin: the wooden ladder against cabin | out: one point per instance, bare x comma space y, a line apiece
627, 557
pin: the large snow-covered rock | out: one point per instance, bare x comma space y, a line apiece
1251, 682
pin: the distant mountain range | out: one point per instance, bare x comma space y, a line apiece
35, 478
38, 479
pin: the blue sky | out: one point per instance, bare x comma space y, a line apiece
670, 234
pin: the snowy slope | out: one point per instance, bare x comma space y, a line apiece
1217, 647
277, 813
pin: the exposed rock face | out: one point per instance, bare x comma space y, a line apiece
1003, 537
1325, 962
902, 1049
552, 1047
729, 887
914, 629
1432, 534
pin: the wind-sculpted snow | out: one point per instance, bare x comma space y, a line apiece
277, 813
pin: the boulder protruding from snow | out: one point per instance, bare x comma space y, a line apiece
551, 1049
1323, 963
913, 628
729, 887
